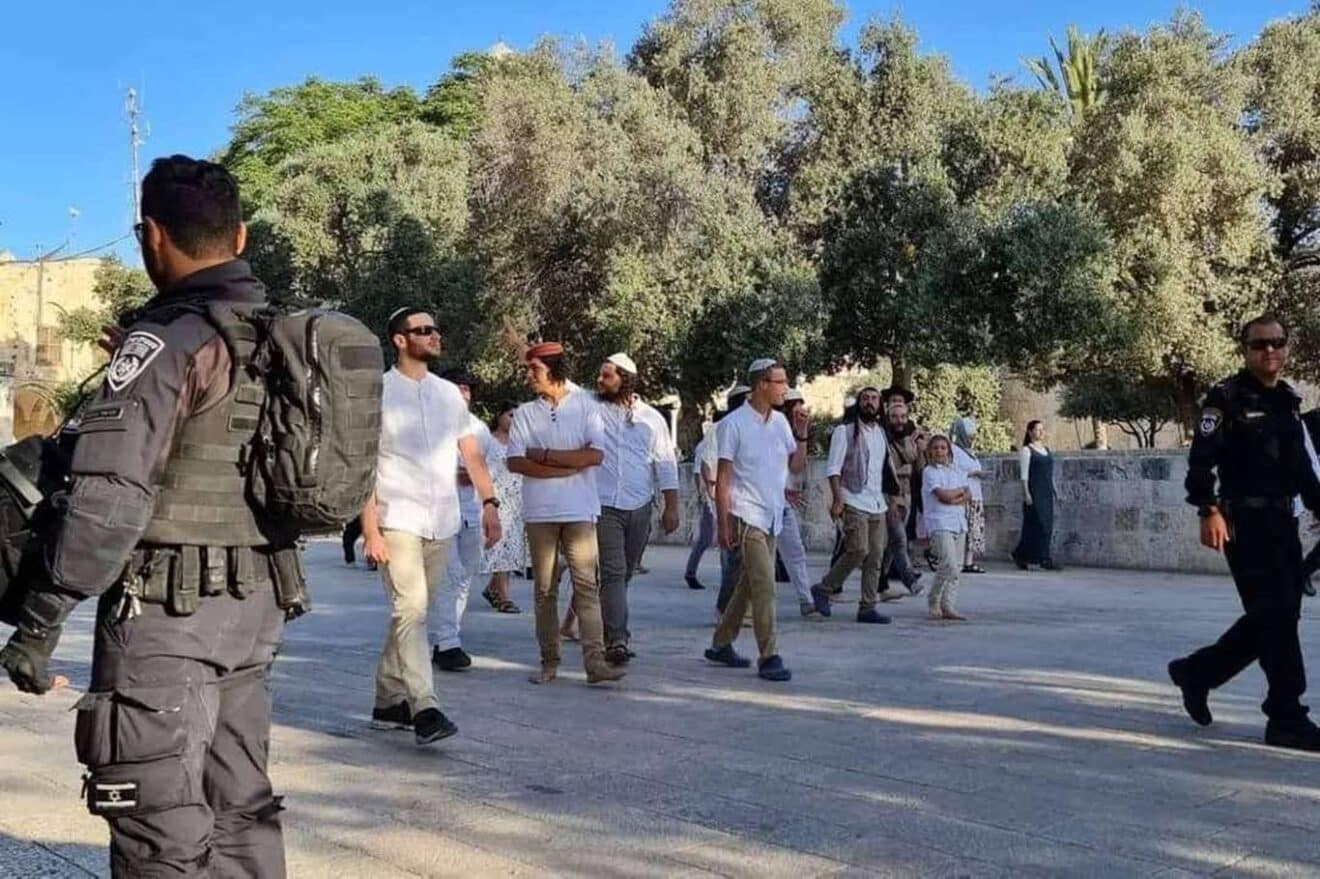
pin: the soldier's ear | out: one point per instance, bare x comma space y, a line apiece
240, 239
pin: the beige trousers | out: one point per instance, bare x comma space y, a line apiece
413, 576
756, 586
578, 540
949, 548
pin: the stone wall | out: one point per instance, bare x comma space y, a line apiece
1115, 510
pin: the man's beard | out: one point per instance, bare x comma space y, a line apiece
868, 415
426, 355
901, 429
617, 397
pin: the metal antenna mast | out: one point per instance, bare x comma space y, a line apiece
136, 138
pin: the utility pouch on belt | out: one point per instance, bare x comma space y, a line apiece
286, 569
185, 581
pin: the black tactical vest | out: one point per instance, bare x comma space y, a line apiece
201, 496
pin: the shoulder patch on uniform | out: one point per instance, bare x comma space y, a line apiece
1211, 418
134, 355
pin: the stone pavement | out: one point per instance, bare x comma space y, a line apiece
1039, 739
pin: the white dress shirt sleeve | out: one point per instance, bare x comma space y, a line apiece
838, 450
664, 458
1024, 463
518, 434
726, 439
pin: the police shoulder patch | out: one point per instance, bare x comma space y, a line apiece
134, 355
1211, 418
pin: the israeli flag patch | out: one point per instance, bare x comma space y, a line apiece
134, 355
114, 796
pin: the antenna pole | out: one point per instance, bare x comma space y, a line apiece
135, 140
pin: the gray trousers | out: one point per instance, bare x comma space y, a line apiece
621, 537
175, 734
896, 553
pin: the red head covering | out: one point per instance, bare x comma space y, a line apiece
544, 349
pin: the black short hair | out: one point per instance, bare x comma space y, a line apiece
1260, 321
557, 364
461, 375
196, 202
495, 413
399, 320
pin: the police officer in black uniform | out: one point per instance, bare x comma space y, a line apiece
1250, 436
175, 728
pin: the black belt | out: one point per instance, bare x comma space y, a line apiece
1282, 504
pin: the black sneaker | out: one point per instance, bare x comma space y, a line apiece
727, 656
617, 655
1195, 699
772, 668
871, 615
431, 725
693, 583
395, 717
453, 659
1302, 736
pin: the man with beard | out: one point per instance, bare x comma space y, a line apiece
411, 520
906, 447
861, 477
556, 443
639, 458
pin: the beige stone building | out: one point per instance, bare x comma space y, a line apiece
34, 358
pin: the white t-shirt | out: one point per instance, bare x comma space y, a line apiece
707, 454
759, 449
468, 501
969, 464
417, 465
575, 424
871, 499
639, 456
938, 515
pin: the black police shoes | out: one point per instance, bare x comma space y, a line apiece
431, 725
1195, 698
1303, 736
453, 659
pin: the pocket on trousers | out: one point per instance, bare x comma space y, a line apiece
131, 725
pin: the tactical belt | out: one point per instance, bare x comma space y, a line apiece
178, 577
1280, 504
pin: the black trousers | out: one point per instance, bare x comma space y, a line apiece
1265, 557
175, 733
352, 533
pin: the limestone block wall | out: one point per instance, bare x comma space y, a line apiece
1115, 510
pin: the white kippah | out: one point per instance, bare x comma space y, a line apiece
738, 389
623, 361
793, 394
760, 363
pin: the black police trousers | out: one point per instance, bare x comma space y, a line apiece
175, 732
1265, 558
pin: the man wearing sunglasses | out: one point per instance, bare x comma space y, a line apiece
412, 519
1251, 442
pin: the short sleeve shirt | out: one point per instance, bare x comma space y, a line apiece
467, 494
758, 449
938, 515
574, 424
417, 465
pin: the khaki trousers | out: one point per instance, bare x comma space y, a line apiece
756, 585
949, 548
578, 540
412, 578
865, 537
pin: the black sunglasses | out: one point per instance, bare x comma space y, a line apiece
138, 230
423, 331
1277, 343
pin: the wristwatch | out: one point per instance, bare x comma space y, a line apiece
491, 502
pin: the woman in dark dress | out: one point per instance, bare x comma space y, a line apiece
1037, 466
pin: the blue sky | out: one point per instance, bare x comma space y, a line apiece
67, 63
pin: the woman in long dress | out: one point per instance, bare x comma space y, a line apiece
510, 553
1038, 497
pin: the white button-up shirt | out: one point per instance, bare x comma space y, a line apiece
417, 465
758, 449
574, 424
938, 515
969, 464
639, 456
871, 499
707, 454
468, 502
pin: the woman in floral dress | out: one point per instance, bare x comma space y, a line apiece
510, 554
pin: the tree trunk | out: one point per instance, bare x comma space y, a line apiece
1101, 432
900, 371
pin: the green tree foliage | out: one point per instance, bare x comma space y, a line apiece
1140, 409
1077, 78
946, 392
117, 289
1176, 181
278, 125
